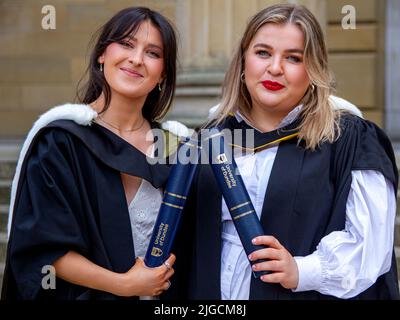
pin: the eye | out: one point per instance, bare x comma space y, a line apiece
263, 53
154, 54
294, 59
126, 44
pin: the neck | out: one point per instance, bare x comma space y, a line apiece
265, 120
122, 113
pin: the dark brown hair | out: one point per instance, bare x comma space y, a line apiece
122, 25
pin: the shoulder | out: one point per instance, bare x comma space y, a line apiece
176, 128
356, 128
365, 146
52, 145
74, 114
54, 135
45, 133
174, 132
350, 123
342, 104
361, 134
78, 114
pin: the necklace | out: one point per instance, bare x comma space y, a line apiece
116, 128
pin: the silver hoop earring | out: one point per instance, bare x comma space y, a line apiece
101, 67
159, 87
242, 77
312, 88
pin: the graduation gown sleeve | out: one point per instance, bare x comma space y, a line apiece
363, 150
48, 216
364, 146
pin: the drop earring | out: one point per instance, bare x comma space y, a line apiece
159, 87
101, 67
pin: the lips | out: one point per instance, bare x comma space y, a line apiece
272, 85
132, 73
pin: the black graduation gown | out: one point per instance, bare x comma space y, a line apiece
70, 197
305, 200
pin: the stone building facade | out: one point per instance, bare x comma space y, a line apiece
40, 68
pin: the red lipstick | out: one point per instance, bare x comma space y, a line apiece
272, 85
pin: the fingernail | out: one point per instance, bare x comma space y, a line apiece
254, 241
254, 267
250, 257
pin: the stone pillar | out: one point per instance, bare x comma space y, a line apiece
211, 29
392, 55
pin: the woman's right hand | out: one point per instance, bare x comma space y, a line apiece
141, 280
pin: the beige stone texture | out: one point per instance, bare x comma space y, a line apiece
40, 68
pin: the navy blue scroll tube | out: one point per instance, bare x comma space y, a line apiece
176, 191
235, 195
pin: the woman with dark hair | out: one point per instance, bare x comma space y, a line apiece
322, 181
84, 197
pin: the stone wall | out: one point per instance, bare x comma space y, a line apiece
40, 68
357, 57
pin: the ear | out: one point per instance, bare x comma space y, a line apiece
100, 59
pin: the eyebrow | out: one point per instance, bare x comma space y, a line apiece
150, 44
266, 46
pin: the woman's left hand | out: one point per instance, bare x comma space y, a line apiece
281, 263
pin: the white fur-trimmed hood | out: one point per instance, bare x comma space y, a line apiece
81, 114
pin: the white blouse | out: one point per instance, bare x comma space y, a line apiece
346, 262
143, 211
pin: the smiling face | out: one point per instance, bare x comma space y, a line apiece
275, 73
134, 66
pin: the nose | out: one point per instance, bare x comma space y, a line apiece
275, 66
136, 57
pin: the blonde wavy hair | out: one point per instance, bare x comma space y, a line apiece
320, 122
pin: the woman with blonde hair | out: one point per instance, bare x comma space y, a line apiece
322, 180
